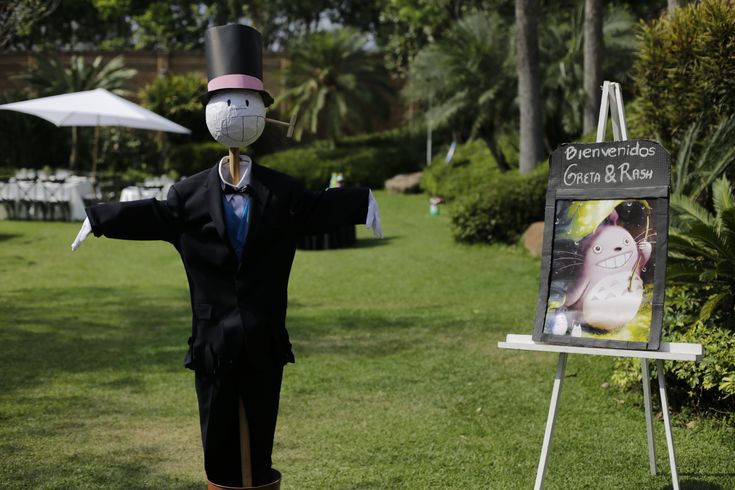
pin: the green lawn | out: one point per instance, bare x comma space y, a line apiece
398, 381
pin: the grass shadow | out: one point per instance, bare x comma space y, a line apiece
692, 484
7, 236
82, 330
375, 242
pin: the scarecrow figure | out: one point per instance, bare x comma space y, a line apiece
235, 226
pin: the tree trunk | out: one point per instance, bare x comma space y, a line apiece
593, 53
496, 152
529, 82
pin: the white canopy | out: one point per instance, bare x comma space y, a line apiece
96, 107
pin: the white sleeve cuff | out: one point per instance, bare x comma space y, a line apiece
373, 216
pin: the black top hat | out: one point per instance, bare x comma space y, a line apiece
234, 55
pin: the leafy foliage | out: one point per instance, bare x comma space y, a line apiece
561, 45
364, 160
466, 81
51, 76
700, 385
685, 70
701, 248
700, 160
334, 85
176, 97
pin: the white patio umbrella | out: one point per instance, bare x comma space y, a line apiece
97, 108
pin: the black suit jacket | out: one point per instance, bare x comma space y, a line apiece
237, 306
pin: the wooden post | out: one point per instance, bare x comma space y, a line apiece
235, 166
245, 464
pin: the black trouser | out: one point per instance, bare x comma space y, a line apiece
219, 397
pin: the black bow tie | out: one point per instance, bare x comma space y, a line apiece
237, 190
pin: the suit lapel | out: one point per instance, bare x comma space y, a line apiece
214, 203
258, 203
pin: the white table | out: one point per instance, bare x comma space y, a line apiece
46, 200
669, 351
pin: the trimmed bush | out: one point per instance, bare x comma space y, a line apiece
472, 163
367, 160
499, 209
685, 71
190, 158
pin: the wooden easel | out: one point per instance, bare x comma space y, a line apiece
612, 101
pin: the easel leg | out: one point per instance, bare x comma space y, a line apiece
649, 415
667, 423
553, 405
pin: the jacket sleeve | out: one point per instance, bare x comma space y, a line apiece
326, 211
146, 219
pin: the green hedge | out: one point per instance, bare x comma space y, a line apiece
472, 163
367, 160
499, 209
190, 158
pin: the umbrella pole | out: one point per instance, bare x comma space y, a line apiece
235, 166
94, 152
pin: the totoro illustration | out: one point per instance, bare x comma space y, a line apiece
609, 289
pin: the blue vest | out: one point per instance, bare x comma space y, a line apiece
237, 229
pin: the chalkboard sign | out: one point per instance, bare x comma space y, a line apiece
603, 266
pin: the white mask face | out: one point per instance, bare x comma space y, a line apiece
235, 118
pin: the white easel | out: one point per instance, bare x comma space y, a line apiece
612, 101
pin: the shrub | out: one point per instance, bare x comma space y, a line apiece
501, 208
472, 163
685, 71
706, 384
190, 158
364, 160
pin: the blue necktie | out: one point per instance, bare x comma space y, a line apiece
237, 228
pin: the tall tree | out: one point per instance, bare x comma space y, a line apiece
529, 85
593, 53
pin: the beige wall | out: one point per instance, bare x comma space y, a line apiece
149, 64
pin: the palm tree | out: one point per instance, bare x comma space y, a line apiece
529, 85
701, 161
50, 76
465, 81
334, 85
701, 247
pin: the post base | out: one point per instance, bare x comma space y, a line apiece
274, 485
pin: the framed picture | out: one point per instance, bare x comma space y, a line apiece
603, 267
